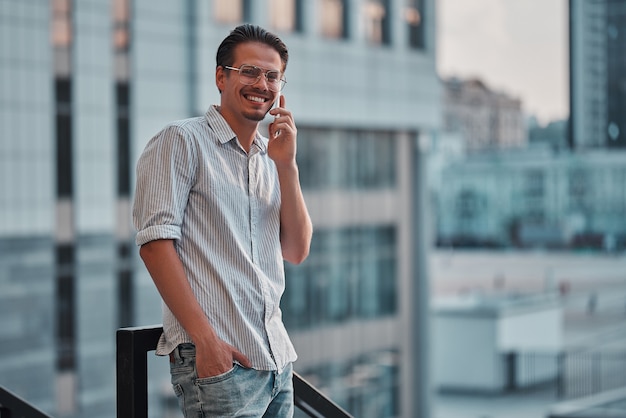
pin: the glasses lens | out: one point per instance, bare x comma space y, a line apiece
249, 74
272, 76
277, 85
274, 82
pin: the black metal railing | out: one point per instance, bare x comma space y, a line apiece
12, 406
133, 344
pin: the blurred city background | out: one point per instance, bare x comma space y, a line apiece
464, 163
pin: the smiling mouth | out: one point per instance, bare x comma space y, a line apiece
256, 99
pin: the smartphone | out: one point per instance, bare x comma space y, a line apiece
276, 104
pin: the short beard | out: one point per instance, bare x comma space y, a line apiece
255, 117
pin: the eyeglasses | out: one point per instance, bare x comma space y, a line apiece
250, 74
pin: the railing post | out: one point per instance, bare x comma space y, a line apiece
133, 345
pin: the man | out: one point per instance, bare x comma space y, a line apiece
217, 208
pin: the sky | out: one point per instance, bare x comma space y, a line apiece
519, 47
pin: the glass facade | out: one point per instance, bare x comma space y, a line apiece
85, 85
346, 159
548, 198
616, 73
597, 73
350, 274
26, 139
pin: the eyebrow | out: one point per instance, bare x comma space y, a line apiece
262, 68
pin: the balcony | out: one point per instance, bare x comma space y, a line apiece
585, 383
132, 379
133, 345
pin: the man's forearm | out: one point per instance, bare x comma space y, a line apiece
296, 229
168, 274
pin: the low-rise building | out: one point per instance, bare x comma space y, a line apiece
485, 118
533, 198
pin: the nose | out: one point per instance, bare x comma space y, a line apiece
262, 83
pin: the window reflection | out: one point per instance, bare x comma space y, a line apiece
413, 16
61, 37
284, 15
332, 19
61, 23
323, 166
228, 11
350, 273
376, 21
121, 19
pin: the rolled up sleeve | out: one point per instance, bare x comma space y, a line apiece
165, 176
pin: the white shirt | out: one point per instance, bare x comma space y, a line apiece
221, 206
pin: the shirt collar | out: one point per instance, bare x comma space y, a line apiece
224, 132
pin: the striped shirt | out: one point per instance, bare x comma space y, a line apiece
197, 186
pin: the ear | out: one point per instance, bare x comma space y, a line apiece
220, 75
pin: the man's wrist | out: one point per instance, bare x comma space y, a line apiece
288, 167
205, 336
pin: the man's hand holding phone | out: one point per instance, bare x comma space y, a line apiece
282, 131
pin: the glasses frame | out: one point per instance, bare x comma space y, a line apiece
281, 81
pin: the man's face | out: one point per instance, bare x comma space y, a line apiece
251, 102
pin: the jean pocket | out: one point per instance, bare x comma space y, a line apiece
185, 367
219, 378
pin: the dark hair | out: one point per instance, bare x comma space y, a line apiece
249, 33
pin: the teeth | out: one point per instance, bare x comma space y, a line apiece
256, 99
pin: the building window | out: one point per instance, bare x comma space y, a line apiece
534, 184
61, 36
323, 165
580, 190
286, 15
121, 24
61, 23
376, 21
413, 16
121, 38
333, 19
533, 195
350, 273
468, 205
229, 11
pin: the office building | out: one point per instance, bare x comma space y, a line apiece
86, 83
597, 73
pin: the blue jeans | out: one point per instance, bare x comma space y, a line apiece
240, 392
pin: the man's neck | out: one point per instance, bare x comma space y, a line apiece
245, 136
244, 129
